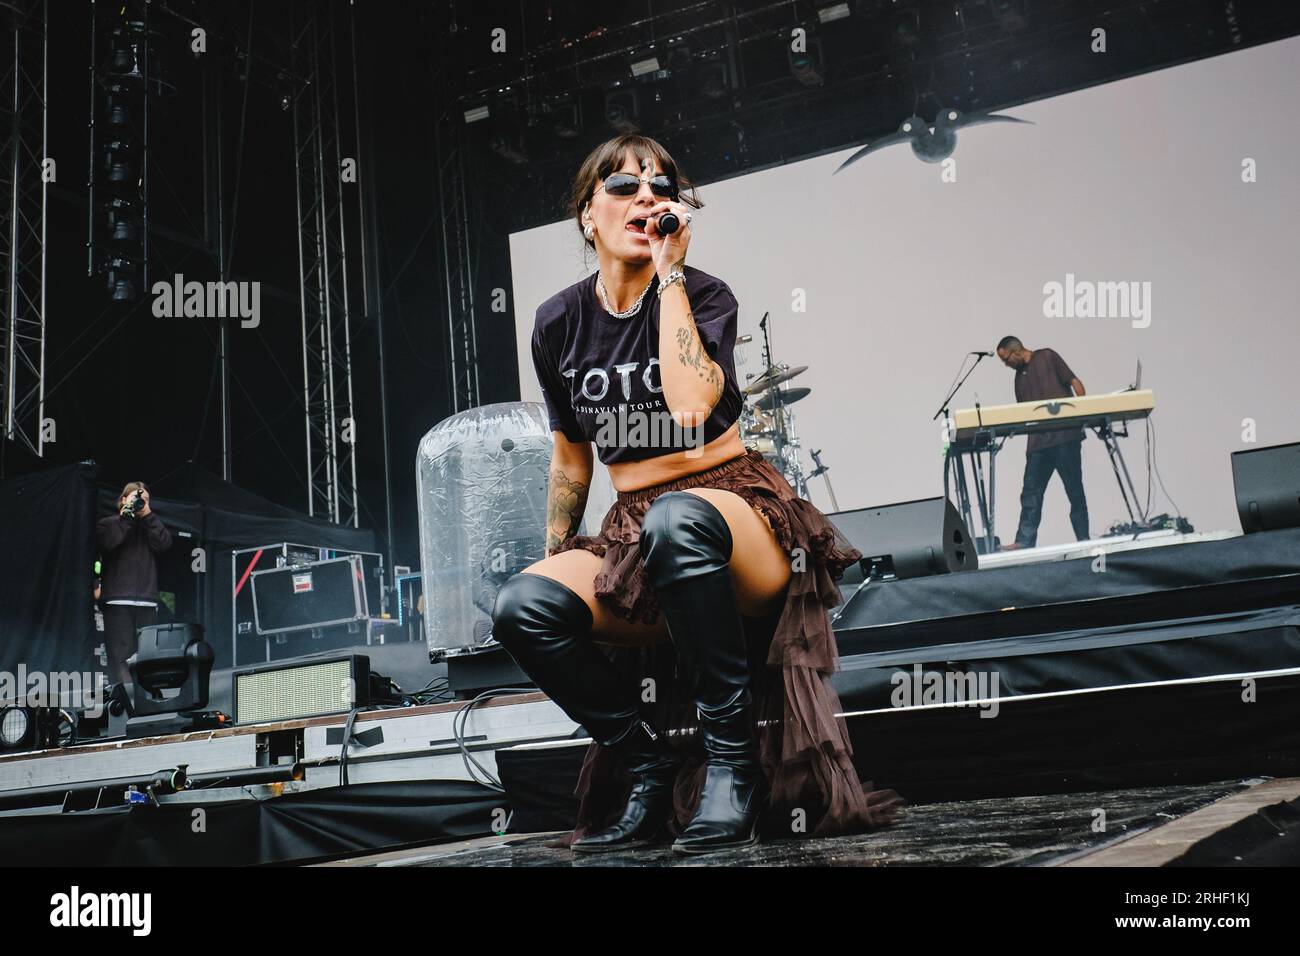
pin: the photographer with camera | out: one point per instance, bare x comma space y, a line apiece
127, 544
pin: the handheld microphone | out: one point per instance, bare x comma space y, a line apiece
667, 224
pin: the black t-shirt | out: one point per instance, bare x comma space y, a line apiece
1046, 377
600, 376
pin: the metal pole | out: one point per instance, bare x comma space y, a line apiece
90, 205
223, 330
370, 236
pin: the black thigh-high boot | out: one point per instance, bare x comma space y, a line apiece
546, 628
686, 546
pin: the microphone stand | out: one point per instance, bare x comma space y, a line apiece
963, 496
943, 407
825, 473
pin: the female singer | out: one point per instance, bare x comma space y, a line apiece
708, 584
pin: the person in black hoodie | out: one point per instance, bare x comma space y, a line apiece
127, 543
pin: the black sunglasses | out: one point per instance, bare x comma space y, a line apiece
625, 184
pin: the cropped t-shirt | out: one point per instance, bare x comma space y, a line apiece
600, 375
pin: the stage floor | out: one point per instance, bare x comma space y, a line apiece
1021, 831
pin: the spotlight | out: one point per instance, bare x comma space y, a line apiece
1010, 14
805, 66
621, 110
836, 11
906, 28
509, 148
118, 113
15, 724
29, 728
714, 84
121, 279
565, 117
122, 229
119, 162
170, 657
643, 67
476, 113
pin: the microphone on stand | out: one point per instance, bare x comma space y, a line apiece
985, 354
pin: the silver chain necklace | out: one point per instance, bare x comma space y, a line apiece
604, 299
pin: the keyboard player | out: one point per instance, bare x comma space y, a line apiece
1041, 374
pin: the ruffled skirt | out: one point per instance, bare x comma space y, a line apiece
803, 742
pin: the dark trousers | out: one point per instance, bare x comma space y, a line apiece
1067, 460
121, 622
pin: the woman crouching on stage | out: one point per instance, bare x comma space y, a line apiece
709, 582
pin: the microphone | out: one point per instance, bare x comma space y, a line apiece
667, 224
985, 354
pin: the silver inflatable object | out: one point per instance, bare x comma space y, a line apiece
481, 482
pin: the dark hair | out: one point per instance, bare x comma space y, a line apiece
608, 158
131, 488
1010, 343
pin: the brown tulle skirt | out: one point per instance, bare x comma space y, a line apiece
803, 742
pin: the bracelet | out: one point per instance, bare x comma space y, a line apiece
674, 276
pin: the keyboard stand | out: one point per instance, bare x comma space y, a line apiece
981, 443
1122, 477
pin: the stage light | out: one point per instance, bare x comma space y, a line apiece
122, 229
477, 113
836, 11
118, 113
715, 84
28, 728
906, 28
119, 162
121, 279
565, 117
14, 726
621, 110
806, 66
295, 691
171, 657
643, 67
509, 148
1010, 14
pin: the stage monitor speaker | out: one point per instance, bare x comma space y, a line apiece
910, 539
1267, 484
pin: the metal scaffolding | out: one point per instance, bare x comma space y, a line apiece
462, 351
323, 267
22, 228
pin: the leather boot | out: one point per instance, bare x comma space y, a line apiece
546, 628
686, 546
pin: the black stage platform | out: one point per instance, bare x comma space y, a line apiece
1022, 831
1187, 671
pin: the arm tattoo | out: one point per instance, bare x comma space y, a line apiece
566, 500
693, 355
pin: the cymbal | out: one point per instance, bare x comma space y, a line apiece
772, 377
774, 399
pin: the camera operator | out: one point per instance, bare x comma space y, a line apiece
127, 544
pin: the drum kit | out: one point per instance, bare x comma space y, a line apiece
767, 421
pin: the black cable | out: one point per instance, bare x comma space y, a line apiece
458, 729
347, 739
1155, 460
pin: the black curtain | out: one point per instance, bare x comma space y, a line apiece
47, 556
